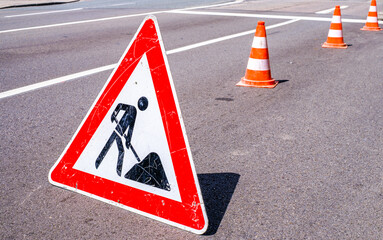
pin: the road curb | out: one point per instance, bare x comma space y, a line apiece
25, 3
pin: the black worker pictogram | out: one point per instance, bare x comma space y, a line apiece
150, 170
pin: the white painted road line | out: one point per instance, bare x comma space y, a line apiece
55, 81
122, 4
182, 11
111, 18
41, 13
228, 14
330, 10
215, 5
79, 22
204, 43
111, 66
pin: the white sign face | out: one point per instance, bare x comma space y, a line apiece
147, 140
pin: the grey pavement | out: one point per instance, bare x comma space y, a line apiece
301, 161
24, 3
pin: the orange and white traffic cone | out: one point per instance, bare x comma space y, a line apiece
372, 19
335, 34
258, 67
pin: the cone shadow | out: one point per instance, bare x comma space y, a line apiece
217, 190
282, 81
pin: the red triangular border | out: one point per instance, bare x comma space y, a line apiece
190, 213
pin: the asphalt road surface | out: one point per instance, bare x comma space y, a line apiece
300, 161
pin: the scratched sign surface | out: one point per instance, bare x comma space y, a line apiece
131, 149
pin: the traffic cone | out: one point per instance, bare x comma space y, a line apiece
258, 67
372, 19
335, 34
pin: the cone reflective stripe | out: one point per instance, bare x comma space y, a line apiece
258, 67
372, 19
335, 34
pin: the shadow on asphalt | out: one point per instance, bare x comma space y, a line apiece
217, 190
282, 81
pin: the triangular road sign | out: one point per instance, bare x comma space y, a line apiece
131, 149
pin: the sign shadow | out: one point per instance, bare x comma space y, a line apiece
217, 190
